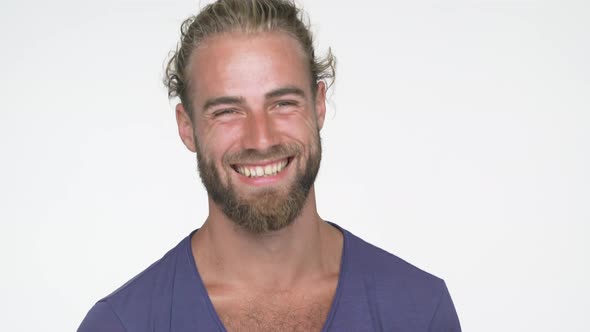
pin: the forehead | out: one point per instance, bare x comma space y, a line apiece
247, 65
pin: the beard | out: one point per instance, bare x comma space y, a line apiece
267, 209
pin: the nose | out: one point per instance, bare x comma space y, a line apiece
260, 132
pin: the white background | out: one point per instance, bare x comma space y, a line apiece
458, 138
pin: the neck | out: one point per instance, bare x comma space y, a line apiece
308, 248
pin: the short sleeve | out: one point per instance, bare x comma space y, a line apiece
101, 318
445, 318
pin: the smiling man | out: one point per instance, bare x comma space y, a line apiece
252, 95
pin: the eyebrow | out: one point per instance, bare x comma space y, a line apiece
233, 100
289, 90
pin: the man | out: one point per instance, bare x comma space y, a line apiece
252, 104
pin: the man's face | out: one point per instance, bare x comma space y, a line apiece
255, 126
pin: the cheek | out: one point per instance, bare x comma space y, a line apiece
217, 140
301, 127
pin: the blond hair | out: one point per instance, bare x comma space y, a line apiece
248, 16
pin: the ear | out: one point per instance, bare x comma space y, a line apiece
320, 103
185, 127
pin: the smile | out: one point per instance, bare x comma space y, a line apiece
270, 169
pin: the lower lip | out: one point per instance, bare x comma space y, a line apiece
264, 180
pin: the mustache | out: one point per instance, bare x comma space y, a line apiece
279, 151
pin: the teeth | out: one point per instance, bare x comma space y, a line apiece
256, 171
268, 170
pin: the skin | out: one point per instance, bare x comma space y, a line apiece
295, 266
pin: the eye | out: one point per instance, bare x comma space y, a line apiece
285, 103
224, 112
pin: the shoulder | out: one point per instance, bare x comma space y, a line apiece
130, 306
158, 273
392, 285
368, 260
101, 318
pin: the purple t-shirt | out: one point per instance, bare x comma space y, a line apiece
376, 291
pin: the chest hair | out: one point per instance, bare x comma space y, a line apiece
275, 313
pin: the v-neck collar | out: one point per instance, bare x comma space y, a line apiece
205, 295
